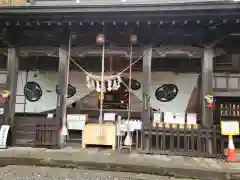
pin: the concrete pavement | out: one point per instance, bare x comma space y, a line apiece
95, 159
14, 172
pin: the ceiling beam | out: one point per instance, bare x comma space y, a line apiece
158, 52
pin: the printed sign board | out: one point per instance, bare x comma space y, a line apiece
156, 117
229, 128
76, 121
174, 118
12, 2
3, 136
109, 117
50, 116
4, 3
191, 118
1, 111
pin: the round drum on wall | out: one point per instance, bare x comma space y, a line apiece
166, 92
135, 85
71, 90
32, 91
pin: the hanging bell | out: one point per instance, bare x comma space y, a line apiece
100, 39
109, 88
133, 39
98, 89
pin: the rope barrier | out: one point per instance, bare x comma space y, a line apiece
98, 78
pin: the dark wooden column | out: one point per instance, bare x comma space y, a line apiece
207, 85
146, 80
11, 85
62, 97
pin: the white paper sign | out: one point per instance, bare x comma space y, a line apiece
49, 116
76, 121
179, 118
109, 116
3, 136
74, 117
229, 127
168, 117
83, 117
157, 117
191, 118
1, 110
138, 125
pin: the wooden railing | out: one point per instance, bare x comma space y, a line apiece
36, 132
183, 141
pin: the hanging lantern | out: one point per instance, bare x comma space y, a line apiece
109, 88
133, 39
100, 39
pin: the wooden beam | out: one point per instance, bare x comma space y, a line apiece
11, 85
207, 85
83, 51
63, 72
146, 112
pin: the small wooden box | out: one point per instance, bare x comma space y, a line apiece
99, 134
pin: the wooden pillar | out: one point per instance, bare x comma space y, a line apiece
146, 80
11, 85
207, 86
63, 72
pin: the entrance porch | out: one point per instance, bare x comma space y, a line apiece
191, 57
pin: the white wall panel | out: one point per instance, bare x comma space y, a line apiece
47, 81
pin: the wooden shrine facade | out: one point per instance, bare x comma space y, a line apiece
164, 32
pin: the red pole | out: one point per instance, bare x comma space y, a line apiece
110, 64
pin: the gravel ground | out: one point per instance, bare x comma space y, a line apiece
47, 173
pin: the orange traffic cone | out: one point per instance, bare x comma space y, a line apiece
232, 156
